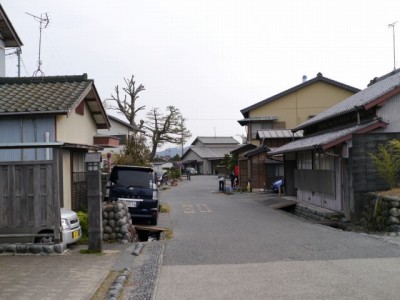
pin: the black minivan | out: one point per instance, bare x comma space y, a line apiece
137, 186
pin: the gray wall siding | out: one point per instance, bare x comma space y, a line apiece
25, 130
390, 113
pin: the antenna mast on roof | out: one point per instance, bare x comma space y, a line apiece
44, 22
394, 46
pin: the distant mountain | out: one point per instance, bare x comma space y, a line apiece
171, 152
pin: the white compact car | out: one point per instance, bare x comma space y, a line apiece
71, 229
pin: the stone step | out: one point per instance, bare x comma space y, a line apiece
317, 213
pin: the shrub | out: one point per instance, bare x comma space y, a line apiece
84, 222
387, 162
173, 173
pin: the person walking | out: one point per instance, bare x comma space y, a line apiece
221, 182
232, 177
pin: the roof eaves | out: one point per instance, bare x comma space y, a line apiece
118, 120
13, 32
330, 142
44, 79
333, 116
257, 150
107, 124
53, 112
257, 119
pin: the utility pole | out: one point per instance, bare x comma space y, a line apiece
18, 51
394, 45
181, 136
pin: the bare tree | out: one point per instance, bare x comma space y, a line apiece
168, 128
126, 105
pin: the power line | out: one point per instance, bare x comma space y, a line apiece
190, 119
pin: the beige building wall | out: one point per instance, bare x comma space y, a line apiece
297, 107
67, 185
75, 128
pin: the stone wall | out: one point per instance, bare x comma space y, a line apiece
117, 223
381, 213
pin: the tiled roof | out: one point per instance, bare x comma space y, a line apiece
318, 78
356, 101
21, 96
278, 134
212, 152
216, 140
50, 95
325, 140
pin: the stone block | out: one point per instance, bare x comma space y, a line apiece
22, 248
393, 221
394, 212
48, 249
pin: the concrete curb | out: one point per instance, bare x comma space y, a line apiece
137, 248
118, 284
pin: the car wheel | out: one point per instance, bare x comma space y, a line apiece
45, 239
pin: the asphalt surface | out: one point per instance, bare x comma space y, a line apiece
224, 247
237, 246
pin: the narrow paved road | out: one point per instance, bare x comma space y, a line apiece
238, 247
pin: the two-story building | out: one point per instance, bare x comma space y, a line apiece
268, 124
331, 166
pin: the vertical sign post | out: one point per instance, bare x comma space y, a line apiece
94, 195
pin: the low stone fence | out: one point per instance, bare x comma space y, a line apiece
117, 223
382, 213
38, 249
117, 227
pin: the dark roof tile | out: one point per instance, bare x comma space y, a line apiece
54, 97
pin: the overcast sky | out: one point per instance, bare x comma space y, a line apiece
209, 58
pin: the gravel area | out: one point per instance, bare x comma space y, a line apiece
146, 269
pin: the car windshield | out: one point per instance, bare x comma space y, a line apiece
133, 178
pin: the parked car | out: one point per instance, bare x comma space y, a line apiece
71, 229
192, 171
278, 184
162, 177
137, 186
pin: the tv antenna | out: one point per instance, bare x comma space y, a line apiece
44, 22
394, 45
